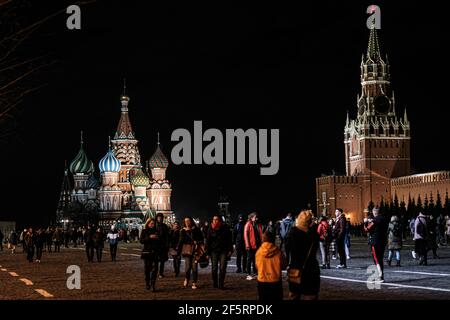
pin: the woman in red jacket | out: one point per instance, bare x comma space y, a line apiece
324, 242
253, 234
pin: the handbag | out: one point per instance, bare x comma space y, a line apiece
295, 274
187, 250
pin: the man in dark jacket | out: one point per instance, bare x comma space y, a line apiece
219, 247
339, 235
29, 241
239, 245
39, 243
378, 231
163, 235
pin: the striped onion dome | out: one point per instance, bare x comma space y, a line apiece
81, 163
140, 179
92, 182
158, 159
109, 163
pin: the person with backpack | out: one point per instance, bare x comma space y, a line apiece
325, 238
394, 240
420, 238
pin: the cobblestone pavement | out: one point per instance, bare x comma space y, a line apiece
124, 279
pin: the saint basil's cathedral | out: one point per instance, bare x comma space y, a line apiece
126, 192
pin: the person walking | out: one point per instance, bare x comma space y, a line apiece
219, 246
270, 262
12, 241
378, 231
57, 237
239, 245
113, 239
190, 238
22, 240
420, 238
29, 241
174, 238
394, 240
163, 235
49, 239
150, 253
41, 239
89, 243
339, 235
347, 239
98, 243
253, 238
304, 271
325, 237
432, 236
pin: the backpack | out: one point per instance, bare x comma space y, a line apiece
396, 231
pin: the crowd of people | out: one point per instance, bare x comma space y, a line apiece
262, 251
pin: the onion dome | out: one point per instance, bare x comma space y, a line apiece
109, 162
81, 163
158, 159
140, 179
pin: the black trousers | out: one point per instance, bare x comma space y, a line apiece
99, 252
378, 254
270, 291
89, 253
241, 259
340, 243
57, 246
251, 260
421, 249
176, 264
49, 247
113, 251
161, 264
39, 252
150, 269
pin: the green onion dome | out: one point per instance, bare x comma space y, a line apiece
81, 163
140, 179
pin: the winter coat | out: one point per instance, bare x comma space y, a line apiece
152, 246
98, 240
420, 228
300, 243
339, 228
174, 238
322, 230
219, 240
238, 236
113, 237
269, 262
252, 237
29, 239
378, 231
285, 226
41, 239
394, 236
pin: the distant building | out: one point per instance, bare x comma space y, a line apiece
377, 149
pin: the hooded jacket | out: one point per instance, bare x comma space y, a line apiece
269, 262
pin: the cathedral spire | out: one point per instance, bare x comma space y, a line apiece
124, 129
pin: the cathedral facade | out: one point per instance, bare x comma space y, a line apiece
377, 149
125, 191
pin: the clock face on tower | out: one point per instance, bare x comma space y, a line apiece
382, 104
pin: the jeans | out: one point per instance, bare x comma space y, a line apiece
325, 252
216, 258
99, 252
176, 264
57, 246
113, 251
191, 266
391, 253
251, 260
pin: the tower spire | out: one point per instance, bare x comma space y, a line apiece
373, 47
158, 138
81, 137
124, 93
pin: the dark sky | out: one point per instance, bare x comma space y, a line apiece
231, 65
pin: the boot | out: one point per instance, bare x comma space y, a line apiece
398, 263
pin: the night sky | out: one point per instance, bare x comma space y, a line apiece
231, 65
